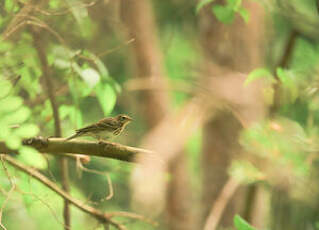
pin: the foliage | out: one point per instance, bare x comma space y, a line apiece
241, 224
283, 144
23, 96
245, 172
282, 150
84, 80
14, 126
226, 13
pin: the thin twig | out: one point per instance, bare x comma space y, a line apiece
100, 216
109, 181
134, 216
220, 204
283, 63
115, 48
67, 10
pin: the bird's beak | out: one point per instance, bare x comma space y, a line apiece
130, 119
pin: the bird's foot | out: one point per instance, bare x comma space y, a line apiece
101, 142
40, 142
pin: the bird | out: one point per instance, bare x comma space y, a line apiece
104, 128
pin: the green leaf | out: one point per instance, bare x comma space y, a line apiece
245, 172
101, 67
106, 97
64, 111
28, 200
10, 104
18, 117
202, 3
26, 131
90, 76
76, 116
289, 83
104, 74
61, 63
8, 5
53, 4
5, 131
244, 14
79, 12
5, 46
73, 89
268, 95
281, 73
13, 142
234, 4
224, 14
79, 119
5, 87
241, 224
16, 8
32, 157
258, 73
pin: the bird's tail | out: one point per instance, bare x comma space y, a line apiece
73, 136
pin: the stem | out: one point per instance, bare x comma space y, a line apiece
39, 45
103, 217
283, 63
220, 204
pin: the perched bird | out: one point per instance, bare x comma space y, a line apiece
103, 129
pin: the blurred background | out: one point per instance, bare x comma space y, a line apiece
225, 93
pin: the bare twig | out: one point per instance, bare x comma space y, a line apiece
132, 216
13, 26
37, 23
100, 216
289, 48
115, 48
111, 192
283, 63
65, 11
220, 204
109, 181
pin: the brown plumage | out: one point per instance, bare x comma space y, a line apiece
104, 128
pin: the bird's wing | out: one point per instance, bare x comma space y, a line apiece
106, 124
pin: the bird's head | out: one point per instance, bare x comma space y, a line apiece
124, 119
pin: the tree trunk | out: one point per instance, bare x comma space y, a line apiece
139, 19
229, 50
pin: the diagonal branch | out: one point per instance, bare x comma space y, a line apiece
101, 216
58, 146
220, 204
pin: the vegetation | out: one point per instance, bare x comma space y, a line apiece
224, 99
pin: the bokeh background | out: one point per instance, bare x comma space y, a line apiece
225, 93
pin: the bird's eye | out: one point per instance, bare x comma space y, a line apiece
123, 118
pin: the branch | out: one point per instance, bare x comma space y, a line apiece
283, 63
39, 45
220, 204
101, 216
289, 48
58, 146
